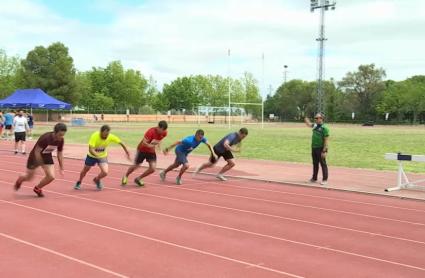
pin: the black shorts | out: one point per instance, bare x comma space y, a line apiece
141, 156
32, 163
226, 155
20, 136
8, 127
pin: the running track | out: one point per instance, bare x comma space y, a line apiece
204, 228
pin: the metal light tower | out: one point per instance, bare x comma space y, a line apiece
323, 5
263, 90
228, 72
285, 72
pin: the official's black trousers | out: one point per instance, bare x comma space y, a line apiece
316, 154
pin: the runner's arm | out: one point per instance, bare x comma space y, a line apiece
125, 149
210, 147
167, 149
92, 151
149, 145
37, 155
227, 146
60, 160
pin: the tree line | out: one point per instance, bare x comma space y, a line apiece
364, 93
361, 95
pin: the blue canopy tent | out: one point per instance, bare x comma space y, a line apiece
33, 99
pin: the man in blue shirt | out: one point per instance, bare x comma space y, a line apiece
184, 147
224, 148
8, 122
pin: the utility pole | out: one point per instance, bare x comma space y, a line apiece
285, 72
263, 90
323, 5
228, 72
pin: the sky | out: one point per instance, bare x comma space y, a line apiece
166, 39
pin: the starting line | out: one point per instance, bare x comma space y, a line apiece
402, 179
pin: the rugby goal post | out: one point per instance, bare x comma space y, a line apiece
402, 179
228, 112
252, 104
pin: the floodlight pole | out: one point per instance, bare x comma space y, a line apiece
323, 5
285, 71
262, 93
228, 68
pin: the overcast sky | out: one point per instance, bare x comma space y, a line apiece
171, 38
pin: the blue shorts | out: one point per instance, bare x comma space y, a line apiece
91, 161
181, 158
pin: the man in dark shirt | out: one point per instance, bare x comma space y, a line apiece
41, 156
224, 148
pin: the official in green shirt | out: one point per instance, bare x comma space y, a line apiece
319, 147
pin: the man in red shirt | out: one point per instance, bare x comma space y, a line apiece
41, 156
146, 150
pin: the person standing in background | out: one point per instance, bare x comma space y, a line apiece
319, 145
8, 122
1, 123
20, 127
30, 120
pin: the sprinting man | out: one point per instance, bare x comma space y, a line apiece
224, 148
97, 154
319, 147
146, 151
20, 127
41, 156
184, 147
8, 122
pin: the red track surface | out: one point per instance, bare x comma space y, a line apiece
204, 228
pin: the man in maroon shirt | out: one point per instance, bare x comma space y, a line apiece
146, 150
41, 156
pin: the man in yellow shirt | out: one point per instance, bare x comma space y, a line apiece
97, 154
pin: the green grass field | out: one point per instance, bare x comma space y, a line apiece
350, 146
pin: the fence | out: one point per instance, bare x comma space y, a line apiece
149, 118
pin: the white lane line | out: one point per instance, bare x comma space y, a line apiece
62, 255
199, 251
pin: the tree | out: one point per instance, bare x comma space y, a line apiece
160, 103
393, 100
114, 77
367, 85
181, 94
9, 80
102, 102
83, 86
135, 86
252, 94
405, 99
127, 88
52, 70
293, 100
